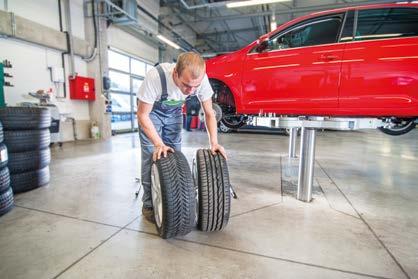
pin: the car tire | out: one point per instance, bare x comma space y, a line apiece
6, 201
212, 179
1, 133
402, 129
29, 160
4, 158
27, 140
4, 180
25, 118
22, 182
173, 195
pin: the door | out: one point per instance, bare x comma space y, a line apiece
299, 72
379, 76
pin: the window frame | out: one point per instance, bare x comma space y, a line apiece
303, 24
356, 17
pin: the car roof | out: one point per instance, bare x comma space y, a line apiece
341, 10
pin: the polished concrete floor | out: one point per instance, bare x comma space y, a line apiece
362, 222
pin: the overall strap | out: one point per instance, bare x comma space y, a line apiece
164, 93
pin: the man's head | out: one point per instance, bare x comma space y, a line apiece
189, 72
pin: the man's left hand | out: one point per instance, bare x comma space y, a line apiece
218, 148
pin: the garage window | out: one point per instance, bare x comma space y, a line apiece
387, 23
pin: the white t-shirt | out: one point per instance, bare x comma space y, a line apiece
150, 90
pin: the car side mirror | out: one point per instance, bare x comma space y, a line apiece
262, 46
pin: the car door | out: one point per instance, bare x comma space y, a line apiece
299, 72
380, 69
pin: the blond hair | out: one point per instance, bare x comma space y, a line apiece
193, 62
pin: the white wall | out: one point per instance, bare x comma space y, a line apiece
31, 62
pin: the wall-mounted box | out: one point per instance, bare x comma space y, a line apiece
82, 88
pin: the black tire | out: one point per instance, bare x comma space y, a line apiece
401, 128
1, 132
177, 200
25, 118
29, 160
4, 180
27, 140
212, 179
6, 201
3, 156
22, 182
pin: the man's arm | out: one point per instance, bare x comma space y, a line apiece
145, 122
212, 128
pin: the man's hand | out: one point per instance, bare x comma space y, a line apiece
218, 148
161, 149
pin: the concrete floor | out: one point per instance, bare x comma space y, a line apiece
363, 221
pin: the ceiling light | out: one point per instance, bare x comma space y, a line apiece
252, 3
168, 42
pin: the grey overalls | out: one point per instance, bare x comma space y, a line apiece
167, 118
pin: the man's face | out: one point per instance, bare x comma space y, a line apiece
186, 82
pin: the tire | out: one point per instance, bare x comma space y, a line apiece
222, 128
6, 201
1, 133
27, 140
4, 158
173, 196
235, 121
212, 179
4, 180
22, 182
25, 118
29, 160
401, 128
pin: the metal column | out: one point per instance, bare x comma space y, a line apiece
306, 164
292, 142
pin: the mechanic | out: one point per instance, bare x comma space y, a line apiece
160, 99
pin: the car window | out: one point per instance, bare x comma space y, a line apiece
324, 31
386, 23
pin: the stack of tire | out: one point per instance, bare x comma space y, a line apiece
27, 137
6, 192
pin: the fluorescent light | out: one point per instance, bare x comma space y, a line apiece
252, 3
168, 42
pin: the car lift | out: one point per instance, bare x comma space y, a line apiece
309, 125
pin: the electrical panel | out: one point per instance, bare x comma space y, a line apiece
82, 88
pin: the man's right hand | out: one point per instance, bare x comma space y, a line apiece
161, 149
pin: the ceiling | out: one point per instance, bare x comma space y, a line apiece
210, 27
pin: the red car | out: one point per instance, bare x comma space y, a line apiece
350, 62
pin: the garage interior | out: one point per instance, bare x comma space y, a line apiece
86, 222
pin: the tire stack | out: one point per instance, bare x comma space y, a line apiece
27, 137
6, 192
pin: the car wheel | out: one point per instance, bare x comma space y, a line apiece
234, 121
173, 195
397, 127
223, 128
214, 188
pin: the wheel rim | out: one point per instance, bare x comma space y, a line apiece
156, 195
399, 125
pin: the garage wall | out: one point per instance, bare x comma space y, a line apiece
125, 42
31, 62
